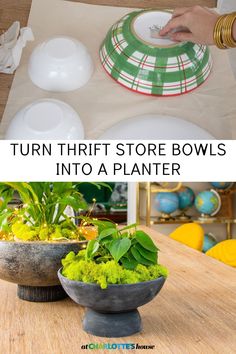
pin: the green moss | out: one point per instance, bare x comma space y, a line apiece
75, 267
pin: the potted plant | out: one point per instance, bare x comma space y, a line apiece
117, 273
37, 234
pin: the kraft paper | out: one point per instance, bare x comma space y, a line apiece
102, 102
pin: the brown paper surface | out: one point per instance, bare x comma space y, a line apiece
102, 102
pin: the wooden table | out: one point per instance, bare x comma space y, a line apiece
10, 11
14, 10
195, 312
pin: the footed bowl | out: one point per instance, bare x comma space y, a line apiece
112, 312
34, 265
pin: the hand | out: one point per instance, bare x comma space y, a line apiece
198, 23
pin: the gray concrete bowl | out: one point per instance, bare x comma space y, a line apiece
34, 265
112, 312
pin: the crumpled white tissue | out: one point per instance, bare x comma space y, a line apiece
12, 43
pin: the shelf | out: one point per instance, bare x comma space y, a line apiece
155, 221
225, 217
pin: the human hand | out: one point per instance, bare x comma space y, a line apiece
196, 24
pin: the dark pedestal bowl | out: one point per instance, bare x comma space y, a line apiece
34, 265
112, 312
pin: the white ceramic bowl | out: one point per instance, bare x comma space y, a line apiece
46, 119
154, 126
60, 64
152, 66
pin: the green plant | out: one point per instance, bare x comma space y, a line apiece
76, 267
117, 256
127, 245
42, 213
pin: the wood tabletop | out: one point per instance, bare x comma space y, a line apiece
161, 4
10, 11
195, 312
18, 10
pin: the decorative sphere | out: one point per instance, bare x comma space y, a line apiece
166, 202
222, 185
209, 242
208, 202
186, 197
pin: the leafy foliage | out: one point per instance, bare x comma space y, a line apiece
42, 213
127, 246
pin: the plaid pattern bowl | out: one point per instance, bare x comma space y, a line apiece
149, 68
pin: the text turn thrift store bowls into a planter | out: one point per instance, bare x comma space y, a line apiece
136, 57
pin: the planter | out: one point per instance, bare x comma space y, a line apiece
34, 265
112, 312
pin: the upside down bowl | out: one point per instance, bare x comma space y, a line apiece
46, 119
60, 64
133, 56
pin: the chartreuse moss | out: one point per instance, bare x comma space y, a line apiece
63, 231
76, 267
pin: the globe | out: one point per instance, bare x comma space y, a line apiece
208, 202
222, 185
166, 202
209, 242
186, 197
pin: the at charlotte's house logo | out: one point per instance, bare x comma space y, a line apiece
117, 346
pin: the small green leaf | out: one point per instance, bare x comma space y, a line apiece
128, 227
4, 225
106, 240
139, 258
106, 232
134, 241
145, 241
92, 248
119, 247
61, 187
104, 224
73, 201
38, 188
151, 256
129, 263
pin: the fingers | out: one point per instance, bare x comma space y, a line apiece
171, 25
182, 37
210, 11
180, 11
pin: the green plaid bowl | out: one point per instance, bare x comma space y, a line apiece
151, 69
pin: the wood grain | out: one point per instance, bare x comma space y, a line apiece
10, 11
161, 4
194, 313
